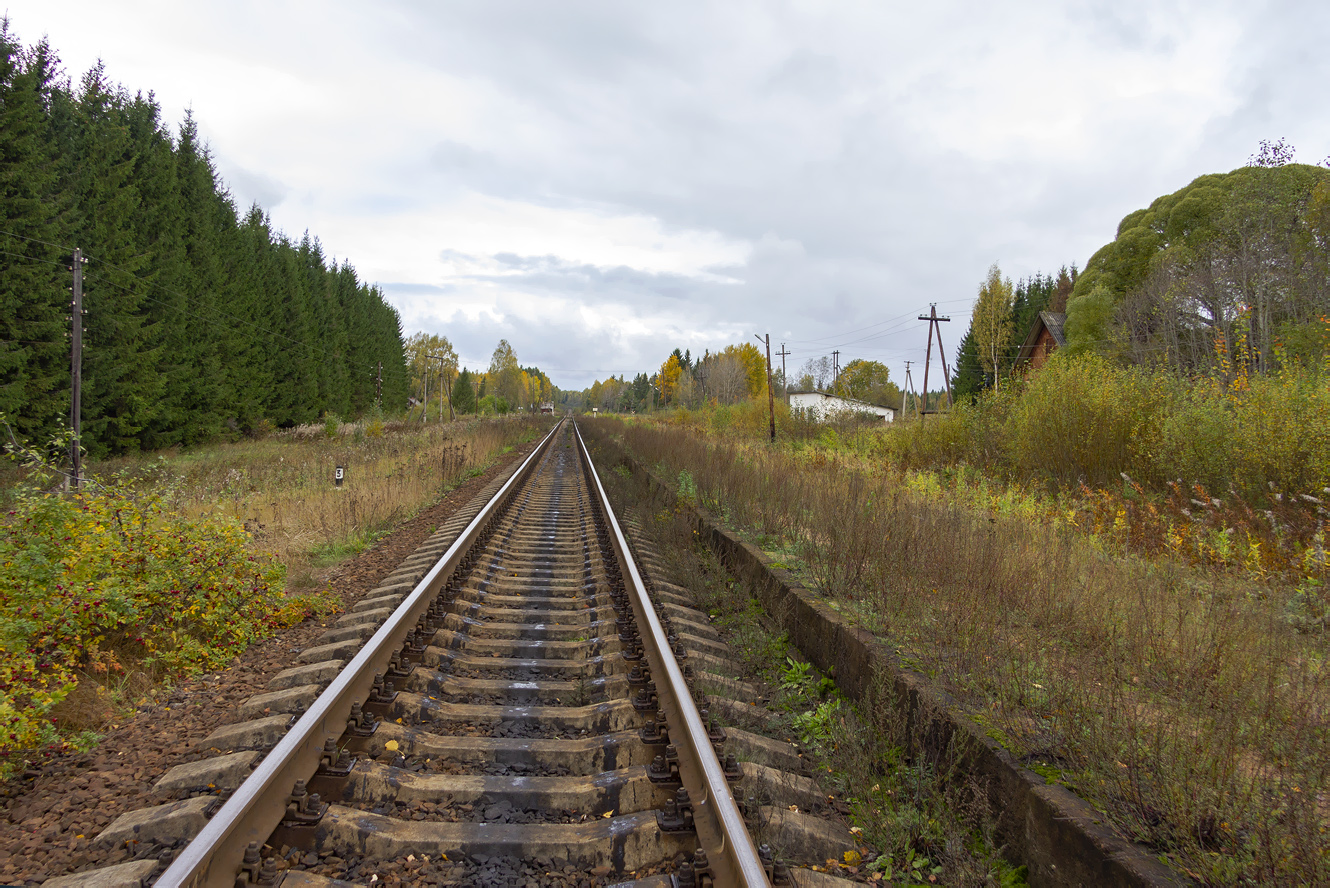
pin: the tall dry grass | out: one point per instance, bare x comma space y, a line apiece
1180, 701
282, 487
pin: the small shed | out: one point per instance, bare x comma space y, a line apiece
1045, 337
822, 406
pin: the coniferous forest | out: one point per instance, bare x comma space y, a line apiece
201, 322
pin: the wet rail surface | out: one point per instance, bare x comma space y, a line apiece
520, 719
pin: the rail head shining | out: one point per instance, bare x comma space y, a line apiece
738, 863
256, 807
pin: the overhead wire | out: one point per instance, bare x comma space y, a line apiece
31, 258
35, 240
870, 326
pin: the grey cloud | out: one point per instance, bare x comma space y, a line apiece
573, 354
556, 275
415, 289
808, 74
249, 187
480, 170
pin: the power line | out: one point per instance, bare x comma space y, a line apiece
871, 326
35, 240
33, 259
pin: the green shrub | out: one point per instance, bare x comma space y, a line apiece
374, 423
108, 577
969, 433
1081, 421
1196, 438
1282, 433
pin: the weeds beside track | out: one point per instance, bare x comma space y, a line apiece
1180, 701
175, 562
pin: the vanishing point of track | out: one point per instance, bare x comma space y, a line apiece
520, 710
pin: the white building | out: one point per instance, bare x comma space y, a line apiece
822, 406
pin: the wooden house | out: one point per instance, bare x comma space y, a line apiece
1045, 337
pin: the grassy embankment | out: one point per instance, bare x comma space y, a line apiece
1160, 650
921, 826
172, 563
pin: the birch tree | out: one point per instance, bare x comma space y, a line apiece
991, 323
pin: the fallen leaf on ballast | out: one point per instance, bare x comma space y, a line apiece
391, 746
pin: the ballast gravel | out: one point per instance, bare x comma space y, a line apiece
51, 814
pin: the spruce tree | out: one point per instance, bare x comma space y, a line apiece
198, 322
464, 393
158, 227
121, 381
969, 379
34, 350
198, 393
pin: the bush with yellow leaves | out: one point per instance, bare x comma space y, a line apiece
108, 576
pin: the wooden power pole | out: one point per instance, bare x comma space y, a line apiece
908, 395
933, 321
784, 380
771, 400
76, 371
447, 383
424, 413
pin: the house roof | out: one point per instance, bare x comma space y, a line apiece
1051, 321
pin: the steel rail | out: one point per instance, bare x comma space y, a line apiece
255, 809
732, 854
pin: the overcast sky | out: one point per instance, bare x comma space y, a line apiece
602, 182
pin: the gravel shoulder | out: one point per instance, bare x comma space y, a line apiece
51, 814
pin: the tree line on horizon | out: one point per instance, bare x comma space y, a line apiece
436, 378
735, 374
201, 322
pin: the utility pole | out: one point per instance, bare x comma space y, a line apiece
784, 380
443, 375
909, 388
76, 370
835, 368
448, 388
933, 321
771, 401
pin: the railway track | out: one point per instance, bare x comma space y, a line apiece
518, 718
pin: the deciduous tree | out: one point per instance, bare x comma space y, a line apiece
991, 322
668, 379
505, 375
